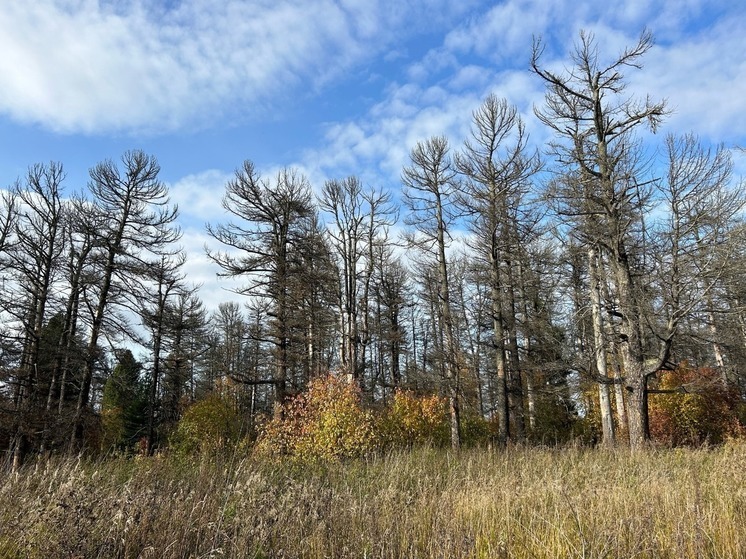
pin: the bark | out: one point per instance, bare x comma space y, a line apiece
599, 348
515, 376
621, 407
501, 396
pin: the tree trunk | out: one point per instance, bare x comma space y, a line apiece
501, 396
632, 358
599, 348
515, 381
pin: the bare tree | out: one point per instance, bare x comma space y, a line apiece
167, 281
8, 217
270, 218
314, 292
428, 194
33, 261
594, 121
381, 214
186, 328
140, 224
360, 220
83, 228
498, 167
695, 247
343, 200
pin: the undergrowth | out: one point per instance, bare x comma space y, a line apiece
424, 503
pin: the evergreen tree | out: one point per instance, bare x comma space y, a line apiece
125, 404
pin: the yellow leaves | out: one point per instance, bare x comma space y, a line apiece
327, 422
698, 408
413, 419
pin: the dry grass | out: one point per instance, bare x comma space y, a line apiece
518, 503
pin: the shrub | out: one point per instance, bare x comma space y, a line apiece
210, 425
699, 409
413, 419
476, 430
327, 422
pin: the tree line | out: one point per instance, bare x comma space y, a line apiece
581, 273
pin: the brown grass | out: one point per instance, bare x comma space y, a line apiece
532, 503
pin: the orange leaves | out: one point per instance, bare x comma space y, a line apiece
327, 422
698, 409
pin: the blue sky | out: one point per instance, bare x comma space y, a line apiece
331, 87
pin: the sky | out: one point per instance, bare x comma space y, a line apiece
330, 87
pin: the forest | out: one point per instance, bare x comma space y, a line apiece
588, 290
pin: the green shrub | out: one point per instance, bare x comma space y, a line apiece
208, 426
476, 430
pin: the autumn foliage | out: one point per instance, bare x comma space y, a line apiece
210, 425
413, 419
698, 408
327, 422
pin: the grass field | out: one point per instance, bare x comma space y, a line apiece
520, 502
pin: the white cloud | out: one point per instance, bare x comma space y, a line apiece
84, 66
702, 79
199, 196
376, 146
202, 272
489, 53
700, 75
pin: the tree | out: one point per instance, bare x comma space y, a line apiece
696, 243
186, 329
594, 120
314, 293
498, 167
33, 262
167, 280
428, 193
124, 404
360, 219
343, 200
390, 292
270, 218
140, 225
81, 230
8, 217
381, 214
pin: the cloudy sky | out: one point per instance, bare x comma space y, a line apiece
332, 87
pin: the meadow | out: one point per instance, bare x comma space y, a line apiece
518, 502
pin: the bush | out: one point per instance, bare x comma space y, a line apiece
412, 420
476, 430
210, 425
327, 422
700, 409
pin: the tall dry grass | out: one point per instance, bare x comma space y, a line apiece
422, 504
